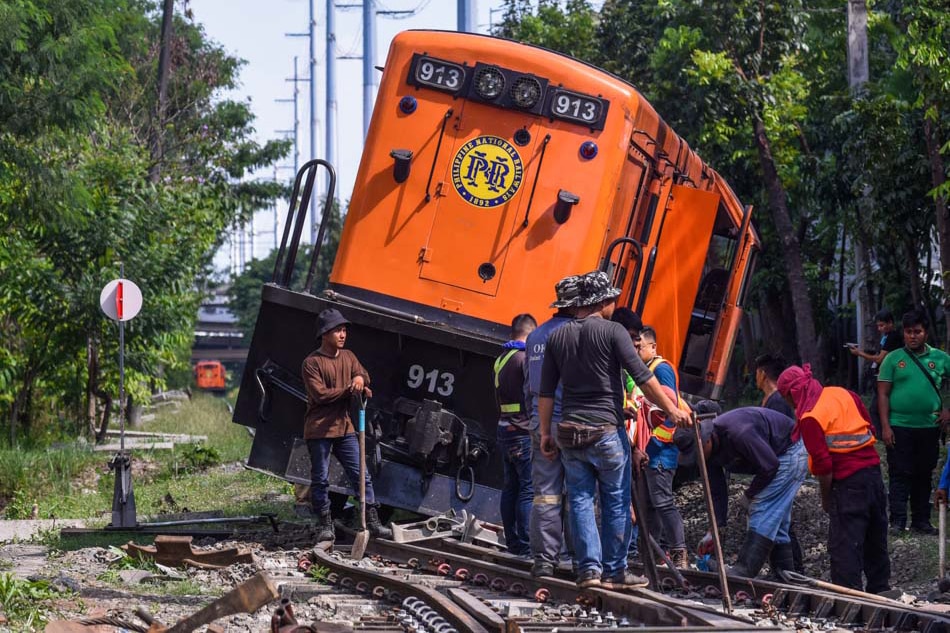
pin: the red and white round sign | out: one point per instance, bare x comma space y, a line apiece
121, 300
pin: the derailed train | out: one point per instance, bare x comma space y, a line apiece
491, 169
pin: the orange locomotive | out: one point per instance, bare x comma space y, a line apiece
491, 170
210, 375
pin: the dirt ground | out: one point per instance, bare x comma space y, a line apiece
914, 562
104, 588
98, 588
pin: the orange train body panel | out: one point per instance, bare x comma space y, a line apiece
471, 230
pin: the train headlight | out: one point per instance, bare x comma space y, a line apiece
525, 92
489, 82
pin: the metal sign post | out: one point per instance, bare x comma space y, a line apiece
121, 300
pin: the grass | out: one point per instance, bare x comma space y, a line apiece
25, 603
74, 482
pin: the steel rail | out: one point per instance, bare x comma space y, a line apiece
646, 607
794, 600
396, 590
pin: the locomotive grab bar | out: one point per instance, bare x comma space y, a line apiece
318, 245
284, 266
636, 246
266, 375
537, 173
438, 146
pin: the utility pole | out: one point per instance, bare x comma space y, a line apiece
313, 115
276, 219
466, 16
329, 146
369, 57
296, 129
158, 125
369, 60
312, 34
858, 76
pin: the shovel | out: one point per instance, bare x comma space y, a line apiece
362, 537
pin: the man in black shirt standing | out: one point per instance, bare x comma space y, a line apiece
586, 357
891, 339
513, 437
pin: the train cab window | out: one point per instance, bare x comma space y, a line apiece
714, 283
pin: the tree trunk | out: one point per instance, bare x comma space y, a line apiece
911, 258
106, 414
792, 254
937, 178
92, 378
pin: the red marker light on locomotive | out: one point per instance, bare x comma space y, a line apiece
588, 150
408, 104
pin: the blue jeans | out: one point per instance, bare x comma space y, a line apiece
550, 532
604, 465
771, 511
347, 451
517, 491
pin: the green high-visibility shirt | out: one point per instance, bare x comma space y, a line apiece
913, 401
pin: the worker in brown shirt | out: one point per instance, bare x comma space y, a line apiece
333, 377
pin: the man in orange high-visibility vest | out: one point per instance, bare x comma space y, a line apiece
838, 436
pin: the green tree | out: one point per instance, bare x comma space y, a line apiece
75, 198
924, 53
570, 30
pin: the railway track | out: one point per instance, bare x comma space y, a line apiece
427, 592
443, 585
790, 600
446, 586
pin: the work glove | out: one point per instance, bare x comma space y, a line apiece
940, 496
706, 545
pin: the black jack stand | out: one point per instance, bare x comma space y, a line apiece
123, 497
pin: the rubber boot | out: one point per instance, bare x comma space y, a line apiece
376, 528
679, 558
752, 556
781, 559
324, 525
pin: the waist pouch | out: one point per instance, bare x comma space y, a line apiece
577, 435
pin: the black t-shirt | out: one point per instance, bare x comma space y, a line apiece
889, 342
586, 356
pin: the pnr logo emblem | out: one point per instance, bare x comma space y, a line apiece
487, 171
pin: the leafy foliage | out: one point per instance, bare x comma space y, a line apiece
851, 167
77, 103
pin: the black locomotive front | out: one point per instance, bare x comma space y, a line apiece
431, 421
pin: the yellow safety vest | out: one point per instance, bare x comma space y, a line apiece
664, 433
500, 362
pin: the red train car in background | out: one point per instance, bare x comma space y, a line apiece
210, 375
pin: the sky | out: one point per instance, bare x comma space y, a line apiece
254, 30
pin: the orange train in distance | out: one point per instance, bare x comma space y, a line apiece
210, 375
491, 170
